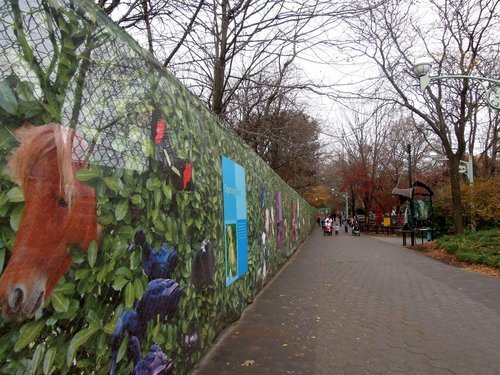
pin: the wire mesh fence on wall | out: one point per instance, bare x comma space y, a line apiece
113, 246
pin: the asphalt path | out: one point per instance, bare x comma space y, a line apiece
364, 305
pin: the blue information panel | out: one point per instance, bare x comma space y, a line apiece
235, 220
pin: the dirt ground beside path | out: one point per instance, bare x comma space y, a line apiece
443, 256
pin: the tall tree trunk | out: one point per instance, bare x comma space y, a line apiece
145, 10
220, 61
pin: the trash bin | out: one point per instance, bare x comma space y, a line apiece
429, 234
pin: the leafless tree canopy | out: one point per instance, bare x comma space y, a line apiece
243, 59
461, 37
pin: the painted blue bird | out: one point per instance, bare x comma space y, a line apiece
155, 363
128, 323
161, 298
156, 263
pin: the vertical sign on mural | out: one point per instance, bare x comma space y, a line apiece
279, 220
235, 220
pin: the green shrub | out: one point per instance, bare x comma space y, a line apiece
482, 247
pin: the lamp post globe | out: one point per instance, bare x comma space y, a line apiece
421, 68
491, 86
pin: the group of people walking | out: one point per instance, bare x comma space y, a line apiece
330, 224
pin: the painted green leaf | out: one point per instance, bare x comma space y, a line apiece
102, 274
167, 190
176, 171
149, 184
121, 209
129, 295
198, 223
119, 144
138, 289
48, 360
105, 219
102, 344
135, 260
76, 253
101, 188
169, 232
156, 330
28, 333
59, 302
122, 350
37, 357
186, 272
3, 197
125, 232
158, 224
150, 148
15, 217
24, 91
64, 288
136, 199
170, 337
154, 213
78, 340
94, 319
81, 274
114, 183
119, 283
157, 197
15, 194
8, 99
92, 253
184, 325
125, 272
109, 327
85, 174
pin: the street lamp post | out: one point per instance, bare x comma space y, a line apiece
346, 197
412, 207
422, 70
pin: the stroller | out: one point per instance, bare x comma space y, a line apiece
327, 230
355, 230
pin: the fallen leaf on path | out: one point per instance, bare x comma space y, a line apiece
248, 362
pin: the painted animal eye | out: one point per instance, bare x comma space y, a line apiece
61, 202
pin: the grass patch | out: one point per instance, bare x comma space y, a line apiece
481, 247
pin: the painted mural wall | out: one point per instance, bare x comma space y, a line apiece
133, 226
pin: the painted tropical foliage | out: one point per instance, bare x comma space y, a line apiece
112, 253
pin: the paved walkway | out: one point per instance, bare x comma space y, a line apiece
364, 305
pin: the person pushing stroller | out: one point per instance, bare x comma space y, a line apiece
355, 228
327, 230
